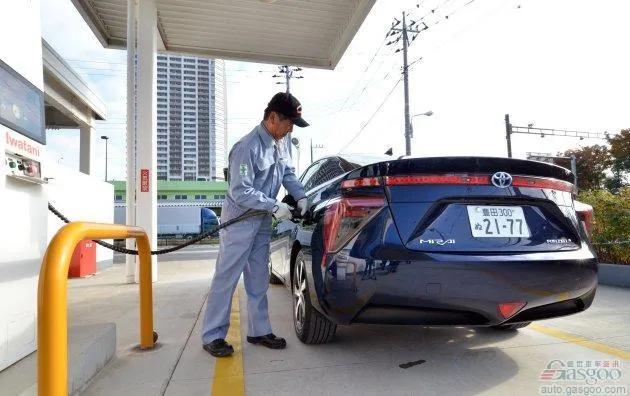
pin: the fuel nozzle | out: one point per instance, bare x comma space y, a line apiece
296, 215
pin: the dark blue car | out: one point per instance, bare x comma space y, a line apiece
434, 241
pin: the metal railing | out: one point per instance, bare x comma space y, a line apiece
52, 304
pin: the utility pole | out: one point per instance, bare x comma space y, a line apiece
406, 82
542, 132
288, 75
316, 146
404, 35
288, 72
508, 135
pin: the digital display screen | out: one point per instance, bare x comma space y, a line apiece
21, 105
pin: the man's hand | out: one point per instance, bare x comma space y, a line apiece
302, 204
282, 211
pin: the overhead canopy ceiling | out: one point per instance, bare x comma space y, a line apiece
312, 33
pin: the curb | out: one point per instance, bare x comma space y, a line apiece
91, 347
614, 275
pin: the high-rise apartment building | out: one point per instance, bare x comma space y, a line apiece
191, 118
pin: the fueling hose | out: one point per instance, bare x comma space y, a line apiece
250, 213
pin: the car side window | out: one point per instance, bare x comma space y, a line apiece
347, 166
308, 174
329, 169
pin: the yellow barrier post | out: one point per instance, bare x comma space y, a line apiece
52, 304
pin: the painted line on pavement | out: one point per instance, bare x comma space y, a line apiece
582, 341
228, 371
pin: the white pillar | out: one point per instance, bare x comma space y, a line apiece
141, 124
87, 148
130, 190
146, 113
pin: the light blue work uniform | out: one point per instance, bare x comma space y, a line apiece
258, 166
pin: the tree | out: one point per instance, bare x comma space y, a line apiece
611, 223
592, 163
620, 152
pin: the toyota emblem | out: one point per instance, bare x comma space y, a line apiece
502, 179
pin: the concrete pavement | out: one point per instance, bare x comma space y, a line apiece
365, 359
178, 298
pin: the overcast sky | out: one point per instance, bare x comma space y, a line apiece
553, 63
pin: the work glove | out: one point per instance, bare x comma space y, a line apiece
282, 211
302, 204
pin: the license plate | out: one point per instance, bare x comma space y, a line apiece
497, 222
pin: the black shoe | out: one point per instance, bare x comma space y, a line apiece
269, 341
219, 348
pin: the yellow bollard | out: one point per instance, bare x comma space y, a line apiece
52, 304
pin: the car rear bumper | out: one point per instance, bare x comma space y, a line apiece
448, 289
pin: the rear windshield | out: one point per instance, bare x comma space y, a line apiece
359, 160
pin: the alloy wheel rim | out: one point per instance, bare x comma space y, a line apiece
299, 289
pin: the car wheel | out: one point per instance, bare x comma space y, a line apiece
311, 327
274, 280
511, 326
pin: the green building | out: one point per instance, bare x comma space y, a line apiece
210, 194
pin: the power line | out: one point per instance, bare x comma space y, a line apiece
502, 5
443, 17
368, 66
416, 28
98, 68
249, 70
95, 61
372, 116
415, 61
102, 74
369, 81
376, 53
352, 90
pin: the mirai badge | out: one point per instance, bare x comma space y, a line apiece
440, 242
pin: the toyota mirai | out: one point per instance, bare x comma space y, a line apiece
465, 241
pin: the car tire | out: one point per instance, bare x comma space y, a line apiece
311, 327
273, 280
511, 326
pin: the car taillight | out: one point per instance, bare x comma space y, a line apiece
585, 214
477, 180
509, 309
362, 182
543, 182
344, 219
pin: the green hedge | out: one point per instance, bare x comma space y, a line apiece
611, 223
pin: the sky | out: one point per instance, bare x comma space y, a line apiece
554, 63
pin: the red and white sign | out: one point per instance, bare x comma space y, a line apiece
19, 144
144, 180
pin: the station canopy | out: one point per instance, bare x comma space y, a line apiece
311, 33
